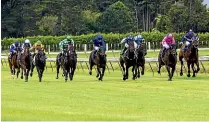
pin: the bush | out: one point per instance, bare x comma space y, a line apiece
109, 38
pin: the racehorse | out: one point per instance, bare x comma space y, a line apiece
169, 60
129, 59
190, 56
140, 59
26, 63
13, 62
68, 62
100, 61
40, 63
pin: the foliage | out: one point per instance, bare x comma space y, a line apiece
109, 38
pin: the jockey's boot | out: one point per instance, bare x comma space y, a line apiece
185, 48
95, 52
75, 53
123, 51
163, 52
10, 57
59, 58
19, 59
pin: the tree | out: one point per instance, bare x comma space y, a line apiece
117, 18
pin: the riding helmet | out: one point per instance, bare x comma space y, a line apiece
27, 41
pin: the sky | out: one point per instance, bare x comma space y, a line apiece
206, 2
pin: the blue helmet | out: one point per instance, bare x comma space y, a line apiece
16, 43
130, 37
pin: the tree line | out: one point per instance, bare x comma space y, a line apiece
21, 18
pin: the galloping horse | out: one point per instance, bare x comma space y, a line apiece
70, 61
26, 63
40, 63
190, 56
13, 62
100, 61
140, 59
129, 59
169, 60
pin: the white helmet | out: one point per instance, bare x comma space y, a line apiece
27, 41
139, 36
190, 30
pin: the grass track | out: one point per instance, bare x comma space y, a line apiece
86, 98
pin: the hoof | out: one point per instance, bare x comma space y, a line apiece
188, 75
65, 80
142, 73
97, 75
90, 73
169, 79
181, 74
31, 75
124, 78
193, 76
133, 78
57, 77
158, 72
21, 77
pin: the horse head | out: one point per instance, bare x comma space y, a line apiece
172, 49
101, 52
41, 56
141, 49
131, 46
195, 41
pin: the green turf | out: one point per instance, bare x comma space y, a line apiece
86, 98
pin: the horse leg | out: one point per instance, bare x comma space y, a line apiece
66, 75
123, 69
32, 68
172, 72
21, 73
159, 67
194, 71
198, 66
134, 69
169, 73
188, 66
71, 73
99, 72
126, 75
26, 75
90, 69
58, 69
103, 71
18, 71
182, 63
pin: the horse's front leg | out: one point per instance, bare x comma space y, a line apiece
32, 68
99, 72
188, 66
198, 66
18, 71
172, 72
66, 75
194, 71
58, 69
142, 72
13, 71
90, 69
103, 71
21, 73
26, 74
169, 73
134, 69
182, 63
126, 70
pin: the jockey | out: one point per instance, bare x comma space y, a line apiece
166, 42
126, 41
98, 42
63, 45
38, 45
188, 36
13, 48
26, 43
139, 40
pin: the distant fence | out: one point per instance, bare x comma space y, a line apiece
114, 46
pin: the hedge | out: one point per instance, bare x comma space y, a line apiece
109, 38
